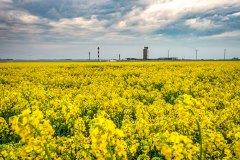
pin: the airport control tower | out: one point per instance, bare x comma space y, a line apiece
145, 53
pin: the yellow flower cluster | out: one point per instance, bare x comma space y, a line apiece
121, 110
107, 142
178, 147
35, 133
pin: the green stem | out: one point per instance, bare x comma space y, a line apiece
47, 152
45, 146
200, 139
37, 131
200, 136
2, 156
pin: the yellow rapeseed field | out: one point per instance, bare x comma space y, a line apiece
120, 110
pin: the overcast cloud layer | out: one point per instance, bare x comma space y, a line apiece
33, 29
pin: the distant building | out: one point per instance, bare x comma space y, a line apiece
168, 58
145, 53
132, 59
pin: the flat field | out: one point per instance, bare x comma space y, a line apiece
120, 110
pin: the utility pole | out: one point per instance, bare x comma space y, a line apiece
119, 57
98, 53
224, 54
196, 54
168, 54
89, 55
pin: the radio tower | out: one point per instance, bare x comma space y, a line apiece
98, 53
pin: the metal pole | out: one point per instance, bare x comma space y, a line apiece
168, 54
119, 56
98, 53
89, 55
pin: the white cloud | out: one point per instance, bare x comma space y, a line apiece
78, 26
145, 17
200, 24
26, 18
231, 34
160, 13
23, 25
114, 36
19, 16
236, 14
5, 4
227, 17
6, 1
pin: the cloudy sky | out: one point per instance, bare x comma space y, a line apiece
56, 29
